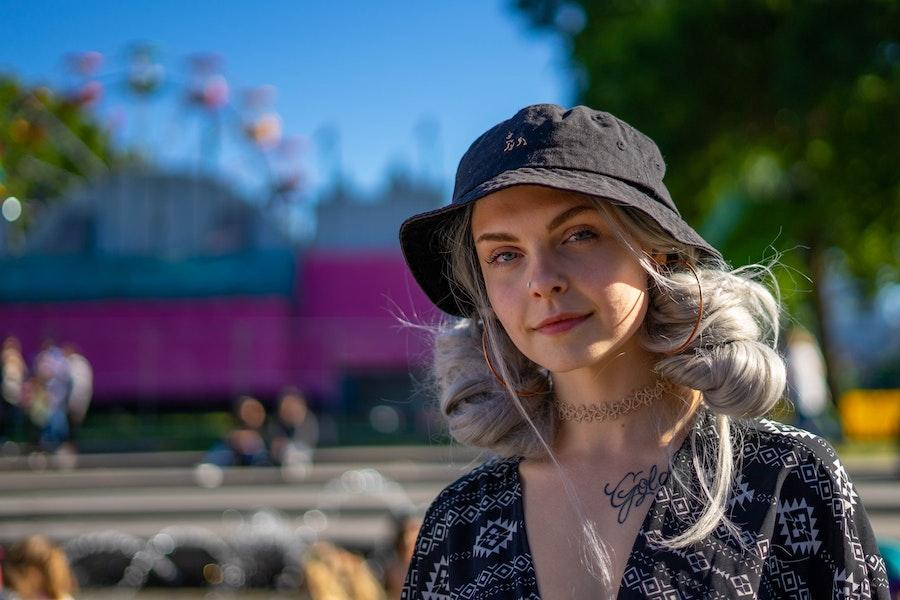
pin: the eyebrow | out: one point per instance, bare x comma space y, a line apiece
553, 224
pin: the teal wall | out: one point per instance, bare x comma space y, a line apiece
74, 277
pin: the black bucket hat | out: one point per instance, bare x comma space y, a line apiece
579, 150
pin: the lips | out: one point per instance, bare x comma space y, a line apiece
561, 322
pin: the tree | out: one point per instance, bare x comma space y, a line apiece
778, 121
48, 143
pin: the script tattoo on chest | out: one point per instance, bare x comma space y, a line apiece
633, 489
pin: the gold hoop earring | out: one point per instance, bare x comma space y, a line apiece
490, 365
690, 339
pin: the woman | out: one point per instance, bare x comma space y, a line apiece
616, 366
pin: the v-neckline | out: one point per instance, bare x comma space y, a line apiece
649, 517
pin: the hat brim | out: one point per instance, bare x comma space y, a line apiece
429, 261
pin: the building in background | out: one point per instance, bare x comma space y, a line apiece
182, 293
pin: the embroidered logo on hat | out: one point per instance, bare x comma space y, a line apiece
514, 143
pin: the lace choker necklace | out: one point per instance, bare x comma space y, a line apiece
610, 412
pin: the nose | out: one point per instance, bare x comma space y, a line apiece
547, 278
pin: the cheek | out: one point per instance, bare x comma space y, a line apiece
628, 301
507, 310
630, 305
621, 296
502, 303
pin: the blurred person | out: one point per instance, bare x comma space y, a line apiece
13, 375
245, 445
332, 573
294, 431
248, 440
35, 405
37, 569
51, 369
618, 370
806, 382
81, 390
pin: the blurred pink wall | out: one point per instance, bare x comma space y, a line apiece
348, 317
344, 320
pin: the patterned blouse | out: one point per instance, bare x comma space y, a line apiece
802, 532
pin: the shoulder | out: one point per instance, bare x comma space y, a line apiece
493, 482
775, 443
777, 463
769, 442
817, 516
456, 514
805, 465
472, 520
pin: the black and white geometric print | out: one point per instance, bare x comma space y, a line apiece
798, 531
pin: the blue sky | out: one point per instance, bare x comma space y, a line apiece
373, 70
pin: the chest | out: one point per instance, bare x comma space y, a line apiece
562, 555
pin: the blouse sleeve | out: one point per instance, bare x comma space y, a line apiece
823, 538
428, 574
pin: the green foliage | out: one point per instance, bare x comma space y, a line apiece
778, 119
47, 145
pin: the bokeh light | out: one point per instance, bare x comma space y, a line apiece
11, 209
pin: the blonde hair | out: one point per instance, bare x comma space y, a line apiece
37, 553
333, 573
732, 360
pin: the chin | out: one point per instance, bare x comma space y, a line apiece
561, 363
563, 360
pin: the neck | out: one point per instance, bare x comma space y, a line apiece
638, 436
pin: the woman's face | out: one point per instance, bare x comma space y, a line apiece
568, 294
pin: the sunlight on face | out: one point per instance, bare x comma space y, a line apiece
567, 293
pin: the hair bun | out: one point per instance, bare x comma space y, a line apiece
741, 378
478, 409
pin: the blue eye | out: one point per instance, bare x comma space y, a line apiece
582, 234
499, 257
